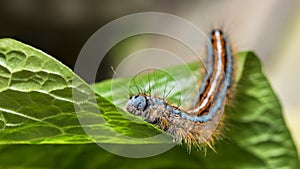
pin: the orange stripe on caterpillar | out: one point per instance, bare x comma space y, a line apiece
198, 125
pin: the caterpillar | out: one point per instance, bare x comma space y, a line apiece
201, 123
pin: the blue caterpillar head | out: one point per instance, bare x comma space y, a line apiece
150, 108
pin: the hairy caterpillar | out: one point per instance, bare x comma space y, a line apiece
199, 124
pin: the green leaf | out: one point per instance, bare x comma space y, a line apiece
41, 101
36, 104
257, 135
37, 107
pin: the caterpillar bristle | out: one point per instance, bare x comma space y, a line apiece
202, 124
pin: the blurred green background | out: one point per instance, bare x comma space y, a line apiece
271, 28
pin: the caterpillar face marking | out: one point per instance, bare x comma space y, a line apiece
198, 125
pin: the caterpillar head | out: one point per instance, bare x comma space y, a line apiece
150, 108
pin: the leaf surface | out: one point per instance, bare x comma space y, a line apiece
41, 101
